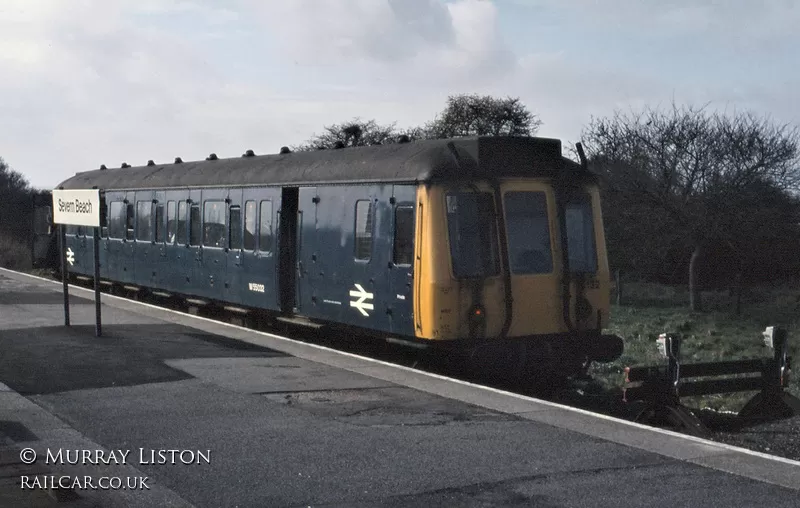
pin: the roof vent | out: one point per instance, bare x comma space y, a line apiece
249, 153
404, 139
338, 145
178, 160
151, 163
285, 149
212, 157
103, 167
125, 165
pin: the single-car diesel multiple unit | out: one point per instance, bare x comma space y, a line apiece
492, 244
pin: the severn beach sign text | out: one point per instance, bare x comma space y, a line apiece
77, 207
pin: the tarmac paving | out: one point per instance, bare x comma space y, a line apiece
265, 421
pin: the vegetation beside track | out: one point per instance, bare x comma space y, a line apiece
717, 333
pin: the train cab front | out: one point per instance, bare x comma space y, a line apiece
518, 268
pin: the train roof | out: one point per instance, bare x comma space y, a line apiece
411, 162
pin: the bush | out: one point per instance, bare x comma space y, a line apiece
14, 254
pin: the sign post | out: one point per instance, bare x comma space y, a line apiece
78, 208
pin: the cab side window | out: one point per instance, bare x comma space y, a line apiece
403, 235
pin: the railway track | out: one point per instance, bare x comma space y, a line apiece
776, 437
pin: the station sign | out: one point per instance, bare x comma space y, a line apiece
77, 207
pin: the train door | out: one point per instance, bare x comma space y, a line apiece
258, 270
44, 250
213, 251
114, 235
305, 290
195, 271
160, 267
145, 253
288, 236
127, 249
178, 259
233, 276
401, 269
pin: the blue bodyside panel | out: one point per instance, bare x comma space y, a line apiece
335, 280
335, 285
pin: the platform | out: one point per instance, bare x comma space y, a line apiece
295, 424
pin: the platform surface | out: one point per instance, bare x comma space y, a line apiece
293, 424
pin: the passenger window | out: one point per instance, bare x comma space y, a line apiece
172, 225
194, 225
116, 220
235, 231
144, 211
403, 235
250, 225
182, 223
129, 223
265, 227
363, 234
159, 225
214, 224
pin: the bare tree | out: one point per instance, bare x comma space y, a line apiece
707, 172
483, 115
355, 132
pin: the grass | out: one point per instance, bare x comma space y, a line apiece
717, 333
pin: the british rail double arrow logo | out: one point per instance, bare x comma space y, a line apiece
361, 303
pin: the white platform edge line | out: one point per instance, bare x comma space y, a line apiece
713, 444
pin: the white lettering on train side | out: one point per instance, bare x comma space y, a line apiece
256, 287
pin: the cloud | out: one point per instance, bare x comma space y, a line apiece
439, 40
738, 22
90, 82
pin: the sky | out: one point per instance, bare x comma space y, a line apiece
84, 83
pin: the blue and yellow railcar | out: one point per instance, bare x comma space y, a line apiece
493, 244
